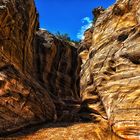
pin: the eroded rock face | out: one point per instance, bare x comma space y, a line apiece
110, 78
57, 66
18, 24
39, 74
23, 101
86, 44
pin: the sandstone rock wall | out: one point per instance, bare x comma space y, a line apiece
18, 24
23, 101
110, 76
39, 74
57, 66
85, 44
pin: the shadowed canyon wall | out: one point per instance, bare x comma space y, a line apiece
42, 79
39, 73
57, 68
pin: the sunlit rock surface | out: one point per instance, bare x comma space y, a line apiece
18, 24
85, 44
111, 75
39, 76
23, 101
67, 131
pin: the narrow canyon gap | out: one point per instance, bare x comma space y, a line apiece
45, 79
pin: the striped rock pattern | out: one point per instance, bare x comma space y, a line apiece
57, 68
18, 24
23, 101
39, 74
85, 44
111, 75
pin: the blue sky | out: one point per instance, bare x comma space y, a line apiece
68, 16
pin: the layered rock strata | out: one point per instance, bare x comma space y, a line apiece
85, 44
23, 101
57, 66
18, 24
110, 76
39, 73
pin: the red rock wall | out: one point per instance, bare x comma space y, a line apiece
18, 24
39, 73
